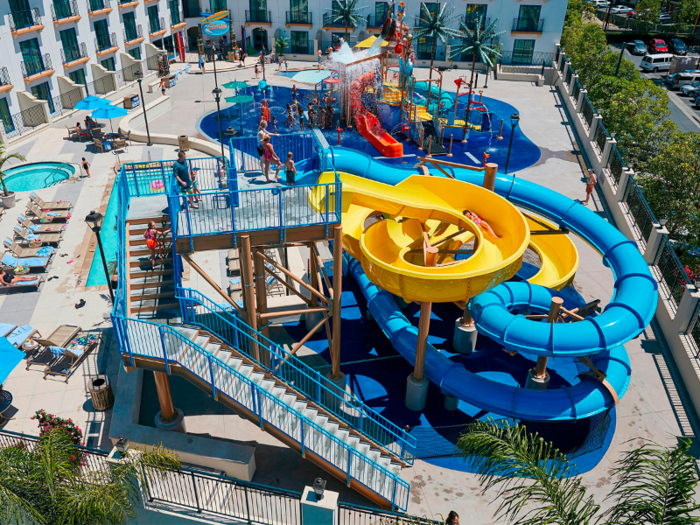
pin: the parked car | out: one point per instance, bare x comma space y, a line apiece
691, 90
632, 13
620, 10
657, 62
637, 47
601, 4
684, 78
697, 101
656, 45
677, 47
664, 18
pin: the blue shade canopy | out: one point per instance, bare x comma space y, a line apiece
239, 99
235, 84
9, 358
109, 112
90, 103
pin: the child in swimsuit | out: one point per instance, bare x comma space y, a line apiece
300, 112
481, 223
290, 116
195, 186
274, 124
290, 170
152, 242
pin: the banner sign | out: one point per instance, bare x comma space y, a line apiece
216, 28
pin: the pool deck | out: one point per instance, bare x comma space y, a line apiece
649, 410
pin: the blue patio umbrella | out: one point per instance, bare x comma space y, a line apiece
10, 356
90, 103
110, 112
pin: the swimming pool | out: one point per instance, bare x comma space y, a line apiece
29, 177
110, 242
309, 76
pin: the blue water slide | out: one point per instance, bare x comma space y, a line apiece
445, 97
626, 315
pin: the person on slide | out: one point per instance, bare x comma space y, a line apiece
481, 223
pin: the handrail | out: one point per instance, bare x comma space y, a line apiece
46, 180
405, 443
160, 342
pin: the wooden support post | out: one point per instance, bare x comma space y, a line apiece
431, 256
449, 153
248, 283
490, 176
500, 131
430, 144
260, 288
420, 145
337, 292
442, 136
165, 398
552, 317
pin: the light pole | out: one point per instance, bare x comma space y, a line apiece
213, 49
514, 119
619, 60
263, 62
139, 78
94, 219
217, 96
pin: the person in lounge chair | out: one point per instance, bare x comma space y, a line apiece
8, 277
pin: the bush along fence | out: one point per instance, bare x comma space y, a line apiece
679, 299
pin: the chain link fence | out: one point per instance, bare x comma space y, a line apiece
24, 121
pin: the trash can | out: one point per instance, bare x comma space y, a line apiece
101, 393
183, 142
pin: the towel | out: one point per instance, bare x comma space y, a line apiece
33, 228
20, 334
57, 351
8, 260
52, 214
46, 251
6, 328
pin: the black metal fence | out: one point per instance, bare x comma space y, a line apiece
65, 102
24, 121
528, 25
569, 74
672, 271
639, 208
35, 63
4, 77
22, 19
601, 136
103, 42
525, 59
616, 164
587, 111
73, 53
299, 17
133, 33
694, 329
98, 5
357, 515
64, 9
576, 91
258, 15
101, 86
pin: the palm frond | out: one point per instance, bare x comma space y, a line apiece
535, 482
655, 485
476, 42
348, 12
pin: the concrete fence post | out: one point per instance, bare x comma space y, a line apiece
579, 102
597, 120
562, 56
622, 185
555, 63
319, 512
572, 83
654, 242
683, 320
607, 150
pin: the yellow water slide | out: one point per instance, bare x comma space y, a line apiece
386, 228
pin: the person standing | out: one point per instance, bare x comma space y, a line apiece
590, 184
452, 518
182, 175
201, 62
262, 133
86, 167
270, 157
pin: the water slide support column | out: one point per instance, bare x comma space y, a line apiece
169, 417
337, 376
260, 288
417, 383
538, 377
248, 282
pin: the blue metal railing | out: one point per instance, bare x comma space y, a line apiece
200, 310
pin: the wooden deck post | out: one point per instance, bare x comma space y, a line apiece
490, 176
337, 292
260, 288
538, 378
165, 398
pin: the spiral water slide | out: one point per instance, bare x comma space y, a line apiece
367, 124
381, 250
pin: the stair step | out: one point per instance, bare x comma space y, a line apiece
278, 392
143, 223
257, 377
139, 240
300, 406
139, 275
150, 296
289, 399
267, 384
202, 341
235, 362
187, 332
137, 262
142, 283
332, 428
342, 435
246, 370
155, 307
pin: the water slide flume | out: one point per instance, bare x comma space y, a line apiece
601, 338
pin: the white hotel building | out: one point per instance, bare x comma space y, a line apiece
60, 50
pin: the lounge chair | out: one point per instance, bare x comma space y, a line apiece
60, 337
6, 329
23, 285
72, 133
24, 251
47, 216
20, 334
45, 238
40, 228
69, 357
55, 205
99, 145
33, 263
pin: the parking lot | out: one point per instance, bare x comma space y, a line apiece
683, 112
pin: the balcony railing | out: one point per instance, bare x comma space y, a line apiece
64, 9
98, 5
295, 17
105, 42
528, 25
301, 49
176, 17
35, 64
133, 33
375, 22
155, 25
72, 53
4, 77
259, 16
328, 21
24, 19
471, 22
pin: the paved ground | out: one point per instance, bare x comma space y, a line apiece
645, 412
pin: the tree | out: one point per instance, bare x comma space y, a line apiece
477, 43
346, 11
281, 43
655, 485
649, 11
435, 27
50, 484
687, 11
3, 159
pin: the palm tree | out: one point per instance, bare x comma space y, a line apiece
655, 485
50, 485
434, 26
346, 11
281, 43
3, 160
474, 42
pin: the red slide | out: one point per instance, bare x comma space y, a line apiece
367, 124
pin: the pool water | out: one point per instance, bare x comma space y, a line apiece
310, 76
244, 118
108, 234
29, 177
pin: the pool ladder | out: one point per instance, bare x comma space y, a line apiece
46, 180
